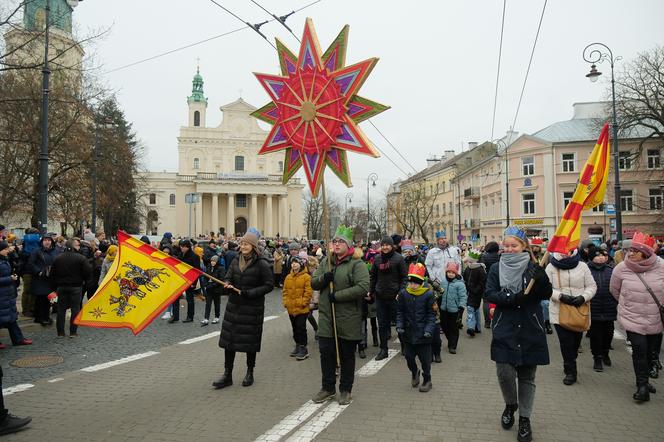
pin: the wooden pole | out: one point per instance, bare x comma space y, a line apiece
541, 263
326, 238
220, 282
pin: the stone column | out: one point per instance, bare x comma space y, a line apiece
230, 215
253, 211
199, 215
283, 216
269, 230
214, 219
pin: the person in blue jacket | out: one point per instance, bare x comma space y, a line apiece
416, 324
452, 304
519, 342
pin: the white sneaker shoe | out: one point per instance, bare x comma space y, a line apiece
167, 315
215, 321
204, 322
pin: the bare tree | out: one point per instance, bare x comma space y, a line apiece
415, 208
313, 215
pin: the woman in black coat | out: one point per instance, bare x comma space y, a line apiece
604, 310
249, 279
39, 266
8, 294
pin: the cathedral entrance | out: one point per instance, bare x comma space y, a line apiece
240, 226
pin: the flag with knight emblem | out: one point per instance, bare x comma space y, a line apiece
140, 284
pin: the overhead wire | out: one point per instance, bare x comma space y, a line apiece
500, 54
255, 27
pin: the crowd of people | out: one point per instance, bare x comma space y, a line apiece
423, 293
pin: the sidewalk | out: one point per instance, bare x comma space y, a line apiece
168, 396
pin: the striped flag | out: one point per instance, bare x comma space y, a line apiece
140, 284
588, 194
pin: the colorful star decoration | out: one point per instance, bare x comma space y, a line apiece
315, 110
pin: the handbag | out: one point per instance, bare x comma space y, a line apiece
654, 298
576, 319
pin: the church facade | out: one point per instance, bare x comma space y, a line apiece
222, 184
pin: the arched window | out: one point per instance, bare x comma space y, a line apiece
197, 118
197, 163
239, 163
171, 199
153, 198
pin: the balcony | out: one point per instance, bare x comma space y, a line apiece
471, 193
470, 223
211, 176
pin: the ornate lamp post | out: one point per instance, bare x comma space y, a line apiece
598, 53
372, 178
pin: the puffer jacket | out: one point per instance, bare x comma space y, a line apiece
217, 271
454, 295
575, 282
388, 275
8, 312
39, 266
242, 327
637, 311
604, 306
415, 314
351, 284
475, 278
297, 293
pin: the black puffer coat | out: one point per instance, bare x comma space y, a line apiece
242, 328
388, 275
604, 306
39, 265
8, 312
475, 278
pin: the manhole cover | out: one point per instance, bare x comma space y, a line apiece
37, 361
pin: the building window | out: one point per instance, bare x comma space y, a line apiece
528, 164
444, 209
437, 210
653, 159
451, 210
171, 199
655, 199
281, 166
528, 203
197, 118
240, 199
624, 160
153, 198
569, 162
599, 208
239, 163
197, 164
626, 200
443, 187
567, 197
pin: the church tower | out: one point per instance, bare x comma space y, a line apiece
197, 101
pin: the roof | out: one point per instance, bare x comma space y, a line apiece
583, 129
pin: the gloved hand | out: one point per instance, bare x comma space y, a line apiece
578, 301
566, 299
401, 331
459, 320
331, 298
328, 277
509, 297
535, 272
427, 335
436, 286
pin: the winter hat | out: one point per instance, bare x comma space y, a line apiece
345, 234
251, 237
626, 244
185, 243
407, 244
387, 240
145, 239
596, 252
396, 239
473, 255
643, 243
452, 267
302, 254
214, 258
111, 252
198, 251
294, 246
168, 235
88, 235
3, 245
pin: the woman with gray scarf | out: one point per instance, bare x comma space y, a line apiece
519, 342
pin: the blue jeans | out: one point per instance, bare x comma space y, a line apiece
473, 318
545, 309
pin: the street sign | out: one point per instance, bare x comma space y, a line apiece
460, 237
612, 225
610, 209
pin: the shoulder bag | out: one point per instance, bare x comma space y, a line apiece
654, 298
573, 318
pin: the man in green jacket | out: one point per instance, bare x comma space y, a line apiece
343, 280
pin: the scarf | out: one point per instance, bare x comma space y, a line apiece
642, 266
511, 268
566, 263
245, 261
339, 259
418, 291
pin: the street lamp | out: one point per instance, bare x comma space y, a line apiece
107, 124
500, 142
593, 54
43, 151
372, 178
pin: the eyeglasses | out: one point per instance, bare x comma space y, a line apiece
633, 250
338, 241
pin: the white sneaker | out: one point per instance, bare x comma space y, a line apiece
204, 322
215, 321
167, 315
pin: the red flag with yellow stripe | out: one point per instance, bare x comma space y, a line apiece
588, 194
140, 284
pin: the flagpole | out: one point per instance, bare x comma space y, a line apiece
326, 238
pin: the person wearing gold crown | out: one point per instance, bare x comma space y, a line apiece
416, 324
343, 281
638, 285
518, 344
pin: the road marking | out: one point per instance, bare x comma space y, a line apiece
199, 338
269, 318
290, 422
618, 335
319, 422
372, 367
119, 361
56, 380
16, 388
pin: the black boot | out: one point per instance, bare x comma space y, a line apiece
547, 327
570, 374
607, 359
11, 423
525, 432
382, 354
437, 359
249, 378
642, 393
598, 365
226, 380
507, 419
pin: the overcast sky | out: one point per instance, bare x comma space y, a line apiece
437, 64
